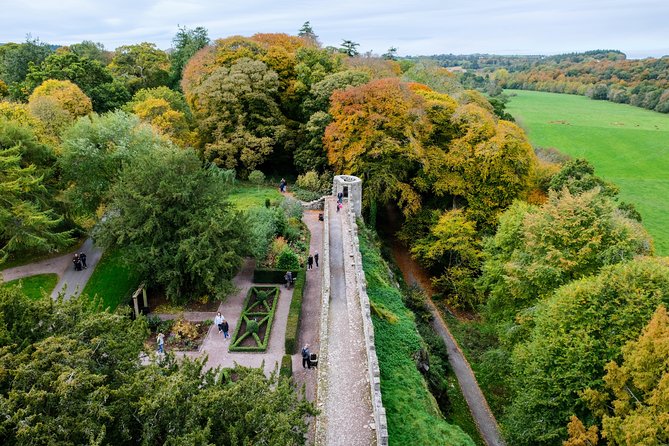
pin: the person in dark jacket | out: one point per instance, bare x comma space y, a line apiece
316, 258
305, 357
82, 257
310, 262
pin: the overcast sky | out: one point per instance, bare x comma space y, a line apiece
640, 28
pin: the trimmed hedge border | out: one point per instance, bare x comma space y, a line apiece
294, 314
262, 347
286, 366
262, 275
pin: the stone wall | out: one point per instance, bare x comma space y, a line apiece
316, 205
354, 269
321, 394
352, 187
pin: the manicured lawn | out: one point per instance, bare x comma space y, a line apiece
112, 281
35, 286
245, 196
628, 146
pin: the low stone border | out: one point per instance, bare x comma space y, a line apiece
316, 205
368, 329
321, 395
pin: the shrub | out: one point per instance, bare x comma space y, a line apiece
261, 275
287, 259
309, 181
294, 314
184, 329
286, 366
293, 208
257, 177
306, 195
252, 327
153, 322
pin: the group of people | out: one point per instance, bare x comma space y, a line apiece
340, 201
282, 185
79, 261
311, 259
222, 324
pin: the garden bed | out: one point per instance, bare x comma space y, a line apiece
255, 323
180, 335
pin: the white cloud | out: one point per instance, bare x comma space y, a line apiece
425, 27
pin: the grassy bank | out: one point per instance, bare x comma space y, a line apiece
112, 281
628, 146
413, 414
245, 196
35, 286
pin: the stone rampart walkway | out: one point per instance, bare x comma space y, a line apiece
347, 406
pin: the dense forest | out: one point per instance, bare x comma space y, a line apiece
600, 74
558, 274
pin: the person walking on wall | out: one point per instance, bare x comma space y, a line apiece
316, 258
310, 262
305, 357
218, 320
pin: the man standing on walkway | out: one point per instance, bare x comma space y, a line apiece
82, 257
305, 357
316, 258
310, 262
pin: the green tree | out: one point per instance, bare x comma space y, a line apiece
140, 66
452, 252
71, 374
87, 74
633, 406
391, 54
238, 112
307, 32
349, 47
26, 224
16, 59
92, 50
96, 150
577, 331
186, 43
536, 250
178, 232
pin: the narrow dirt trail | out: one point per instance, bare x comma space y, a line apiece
478, 406
348, 407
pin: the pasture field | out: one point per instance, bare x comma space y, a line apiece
628, 146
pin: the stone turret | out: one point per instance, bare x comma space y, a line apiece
351, 187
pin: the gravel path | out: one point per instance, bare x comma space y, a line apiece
70, 282
347, 407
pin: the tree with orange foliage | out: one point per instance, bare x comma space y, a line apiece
376, 134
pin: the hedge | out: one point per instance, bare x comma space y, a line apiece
262, 347
262, 275
286, 366
294, 314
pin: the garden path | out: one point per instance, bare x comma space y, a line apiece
70, 282
215, 346
347, 406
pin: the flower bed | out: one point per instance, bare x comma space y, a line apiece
255, 323
180, 335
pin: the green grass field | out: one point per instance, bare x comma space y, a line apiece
245, 196
34, 286
112, 280
628, 146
